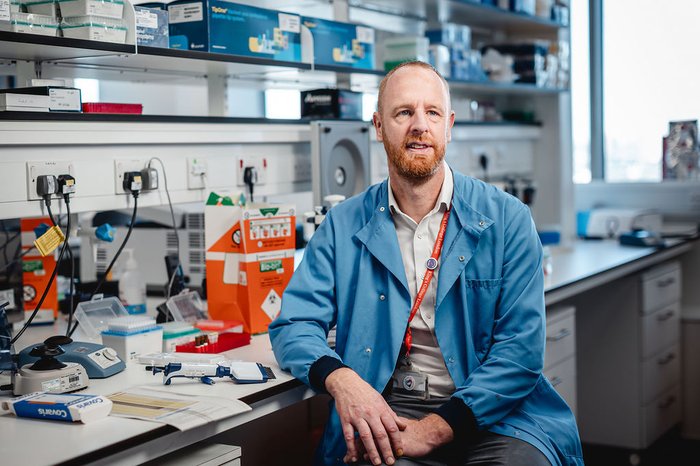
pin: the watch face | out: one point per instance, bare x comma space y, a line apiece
236, 237
29, 293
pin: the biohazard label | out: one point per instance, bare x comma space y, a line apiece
272, 304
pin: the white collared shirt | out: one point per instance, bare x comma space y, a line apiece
416, 242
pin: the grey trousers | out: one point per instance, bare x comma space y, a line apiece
485, 449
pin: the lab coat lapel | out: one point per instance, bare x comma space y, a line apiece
379, 236
463, 233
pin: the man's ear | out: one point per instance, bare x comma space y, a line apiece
377, 122
450, 124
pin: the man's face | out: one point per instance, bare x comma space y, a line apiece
416, 121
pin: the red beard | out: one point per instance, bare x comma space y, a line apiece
413, 166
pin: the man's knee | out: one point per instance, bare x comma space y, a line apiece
494, 449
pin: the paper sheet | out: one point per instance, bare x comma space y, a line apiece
179, 410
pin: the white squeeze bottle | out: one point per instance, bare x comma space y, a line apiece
132, 287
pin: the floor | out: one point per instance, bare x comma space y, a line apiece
669, 450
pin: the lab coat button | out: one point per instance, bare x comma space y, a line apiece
482, 223
368, 350
461, 258
451, 360
381, 209
382, 297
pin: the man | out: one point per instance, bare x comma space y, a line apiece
441, 369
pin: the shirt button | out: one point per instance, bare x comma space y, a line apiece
368, 350
381, 209
382, 297
428, 317
450, 359
420, 236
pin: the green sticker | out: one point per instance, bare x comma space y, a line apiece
269, 266
32, 266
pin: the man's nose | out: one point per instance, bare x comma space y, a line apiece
419, 123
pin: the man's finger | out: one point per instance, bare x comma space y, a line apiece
383, 429
349, 434
367, 438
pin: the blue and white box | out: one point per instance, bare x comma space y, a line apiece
152, 27
255, 32
225, 27
60, 407
340, 44
188, 25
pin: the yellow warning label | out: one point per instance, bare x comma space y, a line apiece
49, 241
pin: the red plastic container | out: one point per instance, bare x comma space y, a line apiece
107, 107
226, 341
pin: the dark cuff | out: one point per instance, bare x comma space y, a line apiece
320, 370
459, 417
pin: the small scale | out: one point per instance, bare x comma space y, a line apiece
48, 374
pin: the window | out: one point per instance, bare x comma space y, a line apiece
647, 80
282, 103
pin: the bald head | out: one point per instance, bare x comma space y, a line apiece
403, 67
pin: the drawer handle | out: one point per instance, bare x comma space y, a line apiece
666, 282
563, 333
668, 358
555, 381
665, 316
667, 402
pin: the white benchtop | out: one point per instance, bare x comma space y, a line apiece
113, 441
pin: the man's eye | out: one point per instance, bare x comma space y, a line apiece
404, 113
433, 113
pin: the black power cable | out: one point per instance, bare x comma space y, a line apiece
48, 286
135, 195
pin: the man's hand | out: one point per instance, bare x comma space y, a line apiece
421, 437
363, 410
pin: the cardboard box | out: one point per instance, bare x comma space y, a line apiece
331, 103
225, 27
341, 44
249, 260
36, 271
152, 27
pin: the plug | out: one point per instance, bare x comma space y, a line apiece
149, 178
250, 178
46, 185
66, 185
133, 183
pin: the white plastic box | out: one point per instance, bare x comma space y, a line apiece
41, 7
95, 28
30, 23
404, 48
101, 8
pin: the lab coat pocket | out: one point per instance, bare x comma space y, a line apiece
482, 298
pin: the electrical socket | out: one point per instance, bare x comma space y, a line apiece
302, 170
197, 171
259, 162
35, 169
125, 165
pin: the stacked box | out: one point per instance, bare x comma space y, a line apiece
225, 27
529, 60
152, 27
341, 44
331, 103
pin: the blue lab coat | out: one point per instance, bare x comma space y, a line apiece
489, 318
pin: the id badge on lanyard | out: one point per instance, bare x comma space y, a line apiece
407, 381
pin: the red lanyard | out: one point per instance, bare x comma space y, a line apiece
408, 338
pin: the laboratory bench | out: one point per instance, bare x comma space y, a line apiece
579, 271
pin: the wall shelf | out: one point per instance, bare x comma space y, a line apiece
463, 12
34, 47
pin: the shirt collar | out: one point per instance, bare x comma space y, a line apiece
443, 200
